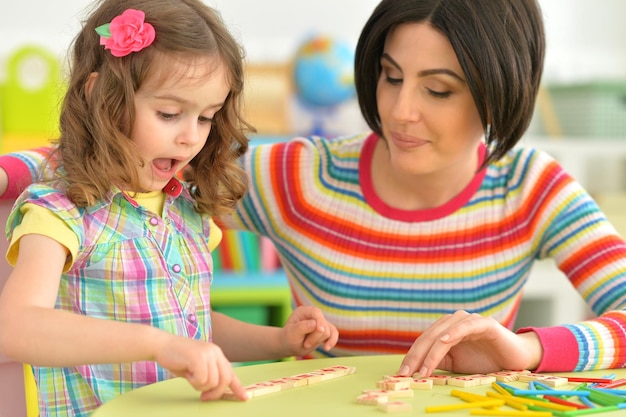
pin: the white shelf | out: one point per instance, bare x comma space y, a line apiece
599, 164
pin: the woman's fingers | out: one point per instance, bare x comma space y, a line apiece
430, 350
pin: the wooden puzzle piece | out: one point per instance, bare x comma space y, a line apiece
395, 407
484, 379
372, 399
262, 388
550, 380
423, 383
508, 376
288, 382
281, 384
254, 390
463, 381
394, 384
401, 377
400, 393
436, 378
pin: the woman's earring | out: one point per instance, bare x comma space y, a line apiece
488, 132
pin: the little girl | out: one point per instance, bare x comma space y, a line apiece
110, 289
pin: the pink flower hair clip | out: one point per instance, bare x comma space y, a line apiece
126, 33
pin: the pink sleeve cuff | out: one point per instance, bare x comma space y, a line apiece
19, 176
560, 348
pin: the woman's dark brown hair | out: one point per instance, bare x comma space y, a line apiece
500, 45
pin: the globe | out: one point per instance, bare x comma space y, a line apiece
324, 72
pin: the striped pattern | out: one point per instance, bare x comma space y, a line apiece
32, 159
383, 278
383, 275
131, 266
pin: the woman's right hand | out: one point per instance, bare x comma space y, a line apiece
203, 364
470, 343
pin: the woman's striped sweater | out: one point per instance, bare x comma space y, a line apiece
383, 275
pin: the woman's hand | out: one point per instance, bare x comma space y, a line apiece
203, 364
469, 343
306, 329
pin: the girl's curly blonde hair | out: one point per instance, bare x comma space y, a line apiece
95, 151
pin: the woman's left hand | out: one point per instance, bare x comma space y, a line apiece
470, 343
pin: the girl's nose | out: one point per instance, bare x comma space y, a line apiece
191, 135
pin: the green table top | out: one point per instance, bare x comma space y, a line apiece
336, 397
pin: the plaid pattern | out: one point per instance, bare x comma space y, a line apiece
131, 266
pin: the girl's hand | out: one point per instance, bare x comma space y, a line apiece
469, 343
307, 328
203, 364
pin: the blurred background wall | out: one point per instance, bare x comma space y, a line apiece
586, 38
586, 42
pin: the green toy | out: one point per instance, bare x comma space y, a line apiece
30, 98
